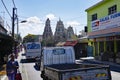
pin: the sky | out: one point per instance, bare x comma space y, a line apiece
35, 12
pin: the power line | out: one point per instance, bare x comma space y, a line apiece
13, 3
6, 9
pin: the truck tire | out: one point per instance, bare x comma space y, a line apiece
45, 78
42, 74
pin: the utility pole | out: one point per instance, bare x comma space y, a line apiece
17, 29
13, 27
13, 22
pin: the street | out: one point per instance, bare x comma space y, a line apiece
28, 69
30, 72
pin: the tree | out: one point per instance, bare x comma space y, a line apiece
29, 38
18, 37
74, 37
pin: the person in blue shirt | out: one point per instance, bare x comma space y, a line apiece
11, 67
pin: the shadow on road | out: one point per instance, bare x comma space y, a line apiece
27, 61
36, 68
23, 54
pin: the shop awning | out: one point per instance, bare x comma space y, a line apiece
70, 43
104, 35
5, 36
60, 44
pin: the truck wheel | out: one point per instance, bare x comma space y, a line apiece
45, 78
42, 74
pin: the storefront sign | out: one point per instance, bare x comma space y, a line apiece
110, 38
117, 37
110, 21
100, 39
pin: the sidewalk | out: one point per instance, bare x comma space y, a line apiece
3, 72
91, 59
3, 75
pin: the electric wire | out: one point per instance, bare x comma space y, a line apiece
14, 3
6, 8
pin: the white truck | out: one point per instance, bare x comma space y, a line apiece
32, 50
58, 63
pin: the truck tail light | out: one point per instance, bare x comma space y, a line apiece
75, 78
101, 75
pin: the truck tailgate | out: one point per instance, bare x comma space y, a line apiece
81, 71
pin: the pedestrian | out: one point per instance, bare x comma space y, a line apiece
11, 67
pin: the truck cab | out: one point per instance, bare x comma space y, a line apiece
57, 55
32, 50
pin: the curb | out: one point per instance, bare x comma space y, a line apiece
3, 77
104, 62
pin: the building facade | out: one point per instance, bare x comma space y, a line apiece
6, 42
103, 22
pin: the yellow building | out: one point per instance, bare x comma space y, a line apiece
103, 23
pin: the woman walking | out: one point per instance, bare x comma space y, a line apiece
11, 67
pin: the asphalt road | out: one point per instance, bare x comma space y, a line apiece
28, 69
30, 72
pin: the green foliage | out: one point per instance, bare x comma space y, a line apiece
18, 37
29, 38
74, 37
49, 42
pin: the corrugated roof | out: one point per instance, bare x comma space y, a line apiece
70, 43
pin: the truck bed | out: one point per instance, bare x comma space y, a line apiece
73, 71
67, 67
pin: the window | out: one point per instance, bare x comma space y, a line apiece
112, 9
94, 17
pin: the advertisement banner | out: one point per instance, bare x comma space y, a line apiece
107, 22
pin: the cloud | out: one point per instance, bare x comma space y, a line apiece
33, 26
72, 23
77, 27
51, 16
33, 20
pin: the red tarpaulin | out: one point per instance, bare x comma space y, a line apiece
70, 43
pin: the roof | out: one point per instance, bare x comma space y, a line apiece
104, 32
104, 35
5, 36
60, 44
83, 39
97, 4
70, 43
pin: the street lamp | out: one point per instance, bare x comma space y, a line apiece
24, 21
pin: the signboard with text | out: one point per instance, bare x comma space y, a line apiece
110, 21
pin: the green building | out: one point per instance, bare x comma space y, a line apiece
103, 23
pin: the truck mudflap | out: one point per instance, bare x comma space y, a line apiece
97, 74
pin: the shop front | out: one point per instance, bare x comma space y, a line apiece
107, 47
105, 33
6, 44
